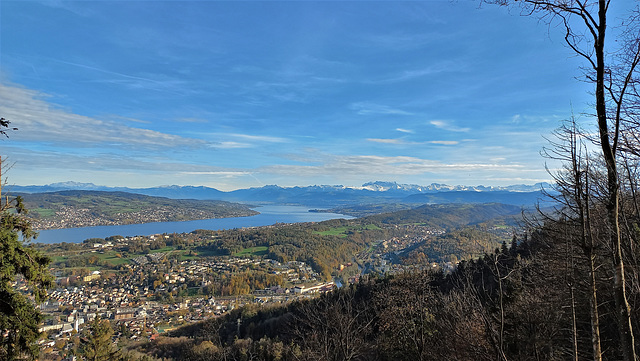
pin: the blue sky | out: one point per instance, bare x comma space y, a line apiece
243, 94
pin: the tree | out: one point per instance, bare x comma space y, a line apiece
613, 75
335, 326
574, 197
19, 319
406, 322
4, 127
96, 345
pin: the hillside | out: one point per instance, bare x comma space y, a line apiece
448, 216
514, 302
68, 209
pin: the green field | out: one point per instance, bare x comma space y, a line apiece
209, 253
253, 251
58, 259
163, 249
110, 257
44, 212
342, 231
338, 231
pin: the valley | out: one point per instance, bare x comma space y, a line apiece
163, 281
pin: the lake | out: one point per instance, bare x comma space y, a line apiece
268, 215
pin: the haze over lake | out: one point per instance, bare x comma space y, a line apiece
268, 215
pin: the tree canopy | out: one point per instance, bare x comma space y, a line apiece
19, 263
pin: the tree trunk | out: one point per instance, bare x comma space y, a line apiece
588, 246
595, 318
608, 151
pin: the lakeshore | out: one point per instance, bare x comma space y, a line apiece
268, 215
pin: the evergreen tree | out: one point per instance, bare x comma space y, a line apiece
96, 345
19, 319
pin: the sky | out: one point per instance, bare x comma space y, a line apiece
244, 94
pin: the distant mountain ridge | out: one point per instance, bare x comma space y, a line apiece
438, 187
324, 195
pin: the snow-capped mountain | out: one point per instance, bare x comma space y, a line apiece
380, 186
324, 195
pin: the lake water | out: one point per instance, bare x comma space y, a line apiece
268, 215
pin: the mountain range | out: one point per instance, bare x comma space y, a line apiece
325, 195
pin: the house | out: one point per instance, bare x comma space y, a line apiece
124, 314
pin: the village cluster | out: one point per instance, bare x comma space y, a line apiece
144, 298
73, 217
153, 292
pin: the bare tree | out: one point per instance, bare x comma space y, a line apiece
573, 195
334, 326
613, 75
406, 320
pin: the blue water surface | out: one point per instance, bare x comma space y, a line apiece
268, 215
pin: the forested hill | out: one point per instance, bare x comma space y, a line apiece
411, 316
326, 245
449, 216
517, 303
67, 209
516, 198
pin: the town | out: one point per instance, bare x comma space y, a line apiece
156, 290
74, 217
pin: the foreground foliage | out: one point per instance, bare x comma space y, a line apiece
19, 319
517, 303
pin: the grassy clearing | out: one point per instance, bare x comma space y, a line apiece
116, 261
342, 231
163, 249
253, 251
58, 259
44, 212
209, 253
186, 257
338, 231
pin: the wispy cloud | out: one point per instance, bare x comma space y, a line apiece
399, 141
128, 119
227, 174
446, 125
389, 141
41, 121
444, 142
160, 82
516, 180
381, 165
524, 119
239, 140
366, 108
258, 138
84, 66
71, 6
230, 145
405, 75
405, 130
191, 120
104, 161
